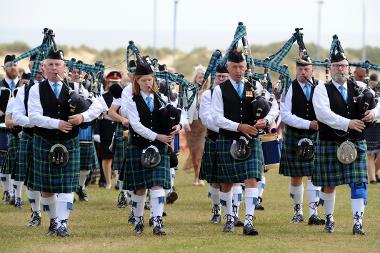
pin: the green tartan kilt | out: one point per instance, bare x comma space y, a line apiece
88, 157
25, 158
120, 148
209, 168
290, 164
11, 157
329, 171
137, 177
234, 171
50, 178
3, 158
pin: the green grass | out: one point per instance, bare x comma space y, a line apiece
98, 226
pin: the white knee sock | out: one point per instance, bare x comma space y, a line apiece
138, 205
64, 205
214, 195
328, 200
172, 177
17, 186
82, 178
6, 180
157, 200
49, 206
237, 195
226, 201
34, 198
251, 196
358, 206
296, 194
313, 197
261, 186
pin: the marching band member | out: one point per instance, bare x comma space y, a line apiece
341, 135
56, 147
146, 134
7, 85
231, 103
209, 166
297, 113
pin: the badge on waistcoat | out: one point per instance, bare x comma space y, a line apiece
249, 94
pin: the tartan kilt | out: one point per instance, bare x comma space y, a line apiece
120, 148
209, 166
24, 163
137, 177
88, 157
234, 171
328, 171
372, 136
290, 164
11, 157
49, 178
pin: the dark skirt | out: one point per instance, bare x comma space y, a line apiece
25, 158
290, 164
234, 171
209, 167
88, 157
372, 136
137, 177
47, 177
328, 171
105, 152
120, 148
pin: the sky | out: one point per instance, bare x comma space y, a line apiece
210, 23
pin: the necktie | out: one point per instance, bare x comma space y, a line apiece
149, 103
307, 91
56, 89
343, 92
239, 88
13, 85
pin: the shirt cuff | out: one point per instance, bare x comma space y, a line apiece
86, 116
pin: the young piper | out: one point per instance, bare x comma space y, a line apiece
49, 111
146, 130
341, 124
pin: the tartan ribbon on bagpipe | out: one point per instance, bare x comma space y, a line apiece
84, 67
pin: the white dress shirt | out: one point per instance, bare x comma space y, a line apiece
8, 80
37, 118
206, 112
218, 109
286, 110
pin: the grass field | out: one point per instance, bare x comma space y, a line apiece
98, 226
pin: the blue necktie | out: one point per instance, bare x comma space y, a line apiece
56, 89
13, 85
149, 103
307, 91
343, 92
239, 89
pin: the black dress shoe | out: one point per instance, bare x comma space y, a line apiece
258, 205
357, 229
237, 222
53, 227
19, 203
158, 229
62, 230
378, 178
36, 219
229, 226
172, 197
216, 217
82, 194
316, 220
139, 228
329, 226
122, 200
249, 229
373, 182
297, 218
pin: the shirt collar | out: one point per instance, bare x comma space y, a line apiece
8, 80
338, 84
144, 95
234, 83
51, 83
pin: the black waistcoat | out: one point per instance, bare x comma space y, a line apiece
57, 109
150, 120
235, 108
339, 106
4, 98
300, 106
